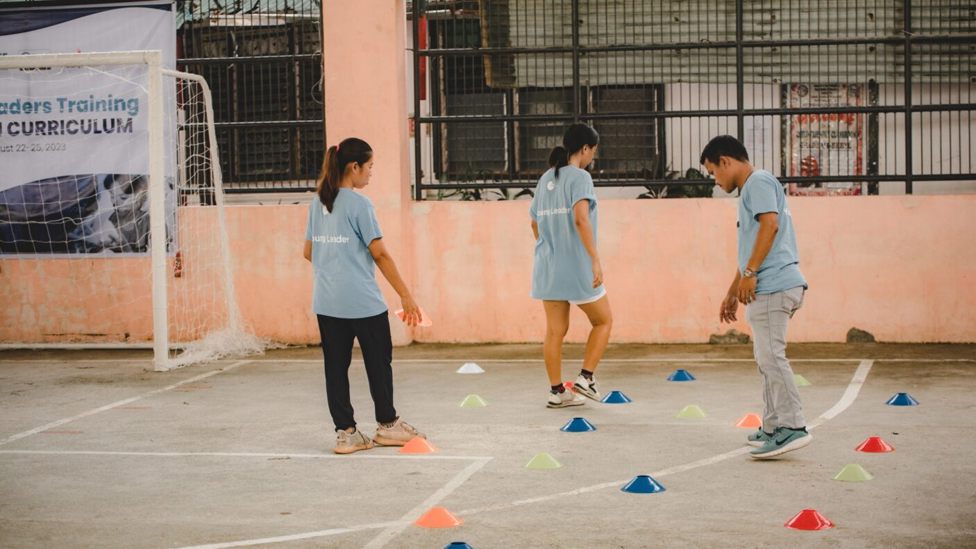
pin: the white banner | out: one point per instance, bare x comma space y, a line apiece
74, 141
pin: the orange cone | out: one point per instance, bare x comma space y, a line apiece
750, 421
438, 517
418, 445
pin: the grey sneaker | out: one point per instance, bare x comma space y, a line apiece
397, 434
564, 399
758, 439
347, 443
587, 387
783, 440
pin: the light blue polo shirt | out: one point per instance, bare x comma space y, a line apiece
780, 271
562, 270
345, 277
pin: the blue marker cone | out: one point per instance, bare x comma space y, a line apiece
578, 425
615, 397
458, 545
902, 399
642, 484
681, 375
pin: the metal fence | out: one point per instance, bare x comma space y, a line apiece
834, 96
263, 61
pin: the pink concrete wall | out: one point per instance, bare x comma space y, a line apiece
898, 267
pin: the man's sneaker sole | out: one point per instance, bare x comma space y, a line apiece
353, 449
588, 394
794, 445
566, 404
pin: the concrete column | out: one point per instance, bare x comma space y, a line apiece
366, 96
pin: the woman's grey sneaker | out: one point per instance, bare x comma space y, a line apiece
564, 399
587, 387
397, 434
783, 440
758, 438
347, 443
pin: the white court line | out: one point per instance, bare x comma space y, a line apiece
268, 455
850, 394
98, 410
394, 530
853, 388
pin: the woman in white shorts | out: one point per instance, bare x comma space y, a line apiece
566, 269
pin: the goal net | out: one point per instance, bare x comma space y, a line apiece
112, 222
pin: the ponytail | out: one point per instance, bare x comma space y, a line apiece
575, 138
337, 158
558, 158
327, 185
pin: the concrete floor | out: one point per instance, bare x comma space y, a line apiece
97, 452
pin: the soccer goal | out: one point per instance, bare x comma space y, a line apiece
113, 231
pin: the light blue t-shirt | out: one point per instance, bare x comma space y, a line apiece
345, 277
780, 271
562, 270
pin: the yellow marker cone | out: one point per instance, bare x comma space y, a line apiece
853, 472
543, 461
801, 381
691, 411
473, 401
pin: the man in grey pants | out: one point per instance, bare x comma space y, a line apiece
769, 281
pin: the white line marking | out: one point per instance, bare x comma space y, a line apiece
270, 455
853, 388
60, 422
392, 528
294, 537
410, 516
850, 394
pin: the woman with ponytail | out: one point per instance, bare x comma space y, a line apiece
566, 270
343, 242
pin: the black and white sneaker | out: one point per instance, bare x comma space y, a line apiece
587, 387
564, 399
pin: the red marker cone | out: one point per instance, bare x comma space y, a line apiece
809, 519
875, 445
438, 517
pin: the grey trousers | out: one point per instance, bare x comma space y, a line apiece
768, 316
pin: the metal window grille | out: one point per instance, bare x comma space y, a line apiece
263, 61
834, 96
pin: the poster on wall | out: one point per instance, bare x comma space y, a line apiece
825, 144
74, 141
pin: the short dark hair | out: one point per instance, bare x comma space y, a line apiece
724, 145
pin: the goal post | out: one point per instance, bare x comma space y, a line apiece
116, 190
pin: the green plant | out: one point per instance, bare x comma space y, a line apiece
683, 190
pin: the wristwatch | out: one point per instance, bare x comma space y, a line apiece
748, 273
